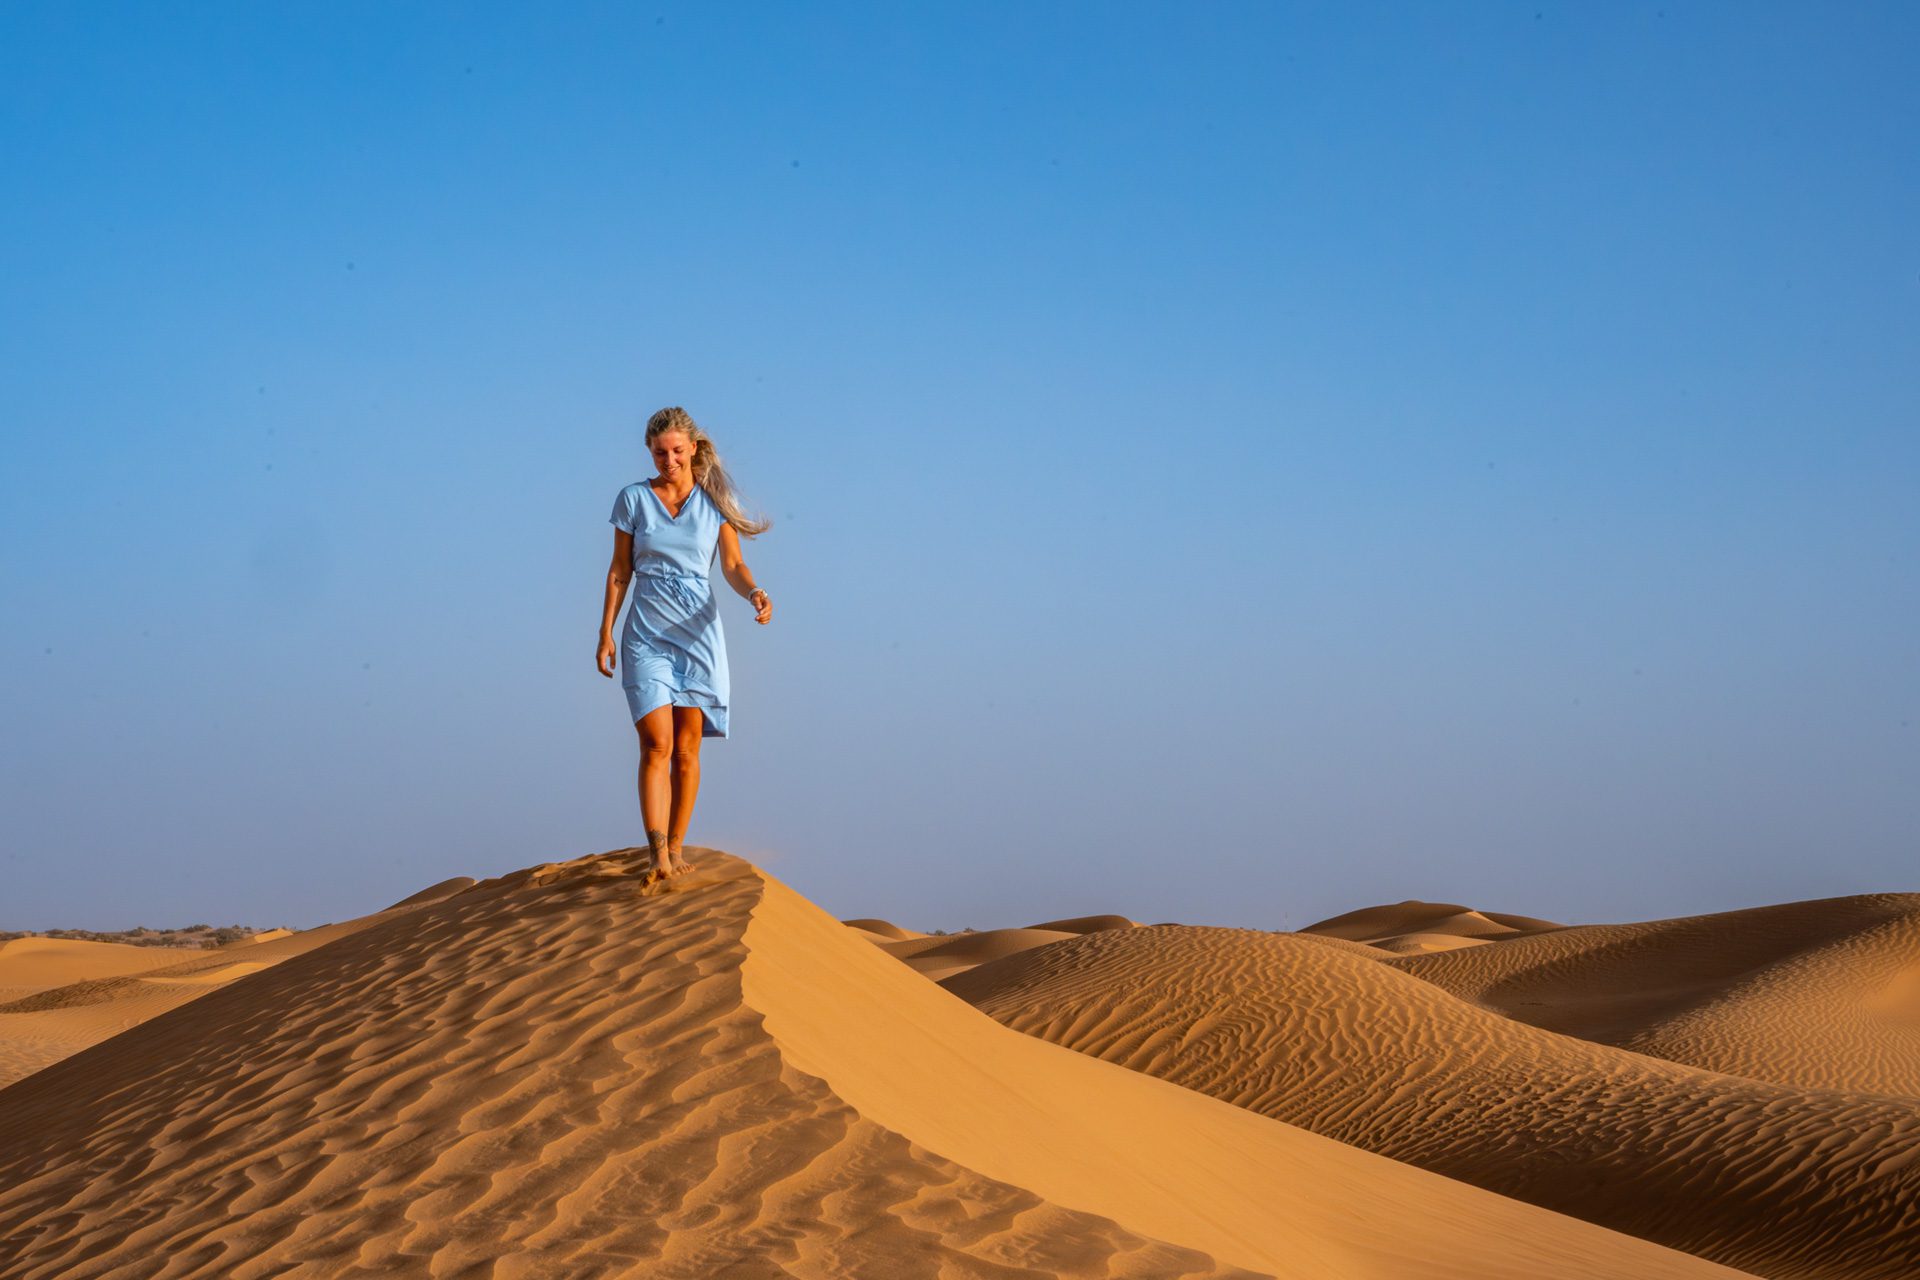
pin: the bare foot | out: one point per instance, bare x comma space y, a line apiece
677, 860
664, 864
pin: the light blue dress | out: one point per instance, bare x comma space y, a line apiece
673, 651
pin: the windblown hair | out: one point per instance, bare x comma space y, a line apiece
707, 471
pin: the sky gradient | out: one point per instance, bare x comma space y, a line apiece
1229, 463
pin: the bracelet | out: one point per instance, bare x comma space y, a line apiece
758, 591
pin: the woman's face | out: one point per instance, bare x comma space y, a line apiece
673, 455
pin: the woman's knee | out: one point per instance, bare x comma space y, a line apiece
656, 730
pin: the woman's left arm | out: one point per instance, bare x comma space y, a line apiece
734, 566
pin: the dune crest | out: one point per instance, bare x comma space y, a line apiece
552, 1073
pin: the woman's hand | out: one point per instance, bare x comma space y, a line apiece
762, 605
604, 659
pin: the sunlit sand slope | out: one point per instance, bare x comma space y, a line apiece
1779, 1181
550, 1074
1168, 1161
1822, 994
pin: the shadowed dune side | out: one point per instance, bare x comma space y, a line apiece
942, 955
884, 929
1420, 926
1086, 924
1782, 1182
939, 957
552, 1074
1822, 994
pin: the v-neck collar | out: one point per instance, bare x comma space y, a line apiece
673, 517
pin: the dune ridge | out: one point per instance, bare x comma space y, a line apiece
1779, 1181
550, 1074
1821, 995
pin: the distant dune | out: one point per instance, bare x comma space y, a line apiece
62, 996
1415, 928
942, 955
32, 967
1820, 995
1328, 1034
552, 1074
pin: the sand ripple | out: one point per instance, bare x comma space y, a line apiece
1784, 1182
544, 1075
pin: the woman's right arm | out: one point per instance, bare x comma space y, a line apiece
619, 574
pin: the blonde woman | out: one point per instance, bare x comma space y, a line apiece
672, 653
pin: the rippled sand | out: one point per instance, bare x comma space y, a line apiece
553, 1074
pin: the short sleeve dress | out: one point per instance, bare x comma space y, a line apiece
673, 651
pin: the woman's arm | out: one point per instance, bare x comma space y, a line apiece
734, 566
619, 575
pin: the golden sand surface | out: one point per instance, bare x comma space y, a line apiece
1375, 1048
82, 993
1819, 995
554, 1073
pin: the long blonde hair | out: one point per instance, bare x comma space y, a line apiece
707, 471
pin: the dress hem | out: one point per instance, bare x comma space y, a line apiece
713, 719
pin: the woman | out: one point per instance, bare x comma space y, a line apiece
673, 652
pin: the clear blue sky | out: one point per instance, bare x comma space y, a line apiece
1230, 463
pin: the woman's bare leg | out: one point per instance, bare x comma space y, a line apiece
656, 759
688, 725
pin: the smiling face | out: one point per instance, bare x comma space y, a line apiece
672, 456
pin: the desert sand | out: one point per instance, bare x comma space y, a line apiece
1819, 995
554, 1074
57, 996
1438, 1055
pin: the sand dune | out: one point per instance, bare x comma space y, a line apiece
1389, 926
435, 892
1085, 924
265, 935
1784, 1182
1822, 995
550, 1074
884, 929
29, 966
93, 990
942, 955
